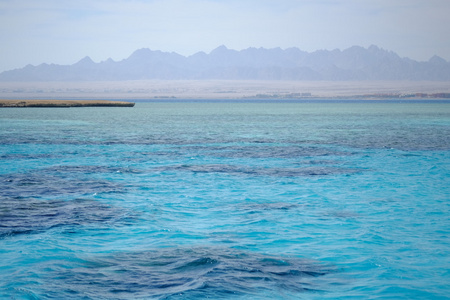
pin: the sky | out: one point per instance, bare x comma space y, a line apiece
65, 31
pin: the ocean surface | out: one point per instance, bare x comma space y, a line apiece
226, 200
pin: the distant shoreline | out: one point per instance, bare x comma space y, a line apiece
106, 103
138, 90
64, 103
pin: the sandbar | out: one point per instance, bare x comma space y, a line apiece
64, 103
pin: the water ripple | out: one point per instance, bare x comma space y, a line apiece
26, 216
259, 171
44, 184
189, 272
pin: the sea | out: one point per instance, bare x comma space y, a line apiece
226, 200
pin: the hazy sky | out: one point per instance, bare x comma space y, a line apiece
63, 31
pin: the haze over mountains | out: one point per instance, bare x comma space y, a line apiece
355, 63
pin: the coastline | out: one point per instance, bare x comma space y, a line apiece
139, 90
64, 103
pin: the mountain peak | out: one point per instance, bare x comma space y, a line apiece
437, 60
85, 61
374, 48
220, 49
143, 54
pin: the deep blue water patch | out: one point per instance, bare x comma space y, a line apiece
260, 171
89, 169
187, 273
32, 216
42, 184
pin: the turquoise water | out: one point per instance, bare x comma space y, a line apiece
226, 201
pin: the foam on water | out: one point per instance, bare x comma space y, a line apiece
225, 200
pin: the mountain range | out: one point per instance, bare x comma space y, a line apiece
354, 63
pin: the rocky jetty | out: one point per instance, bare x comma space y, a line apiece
64, 103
